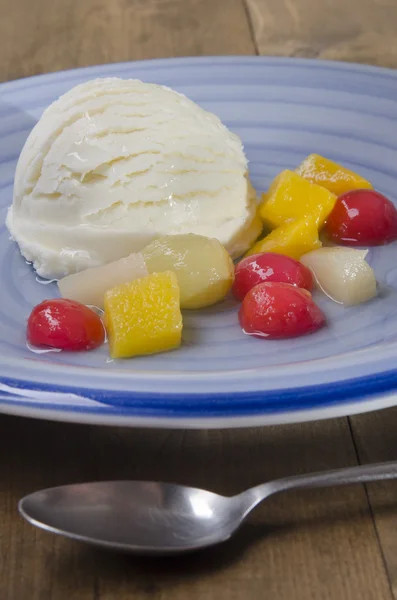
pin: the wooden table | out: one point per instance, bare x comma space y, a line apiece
334, 544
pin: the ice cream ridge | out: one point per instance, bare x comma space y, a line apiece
115, 163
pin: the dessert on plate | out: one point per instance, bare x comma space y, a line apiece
136, 200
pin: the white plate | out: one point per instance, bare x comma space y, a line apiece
283, 109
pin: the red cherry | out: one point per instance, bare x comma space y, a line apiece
362, 218
279, 310
269, 266
65, 324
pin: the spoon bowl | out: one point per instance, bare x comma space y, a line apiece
138, 516
161, 518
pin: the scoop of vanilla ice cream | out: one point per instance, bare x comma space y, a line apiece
113, 164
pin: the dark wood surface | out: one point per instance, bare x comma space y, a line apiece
335, 544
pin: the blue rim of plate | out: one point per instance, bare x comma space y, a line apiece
217, 405
233, 404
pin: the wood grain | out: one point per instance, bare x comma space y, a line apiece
49, 35
352, 30
306, 546
376, 440
323, 545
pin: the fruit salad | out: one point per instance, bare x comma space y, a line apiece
142, 296
311, 219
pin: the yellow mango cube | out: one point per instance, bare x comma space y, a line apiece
334, 177
292, 239
143, 316
292, 197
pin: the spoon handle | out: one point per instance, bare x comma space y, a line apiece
360, 474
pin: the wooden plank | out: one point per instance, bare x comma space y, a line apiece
353, 30
31, 456
49, 35
306, 546
376, 440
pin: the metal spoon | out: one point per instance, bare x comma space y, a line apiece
161, 518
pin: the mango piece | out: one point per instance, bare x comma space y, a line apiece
292, 197
143, 316
203, 267
334, 177
292, 239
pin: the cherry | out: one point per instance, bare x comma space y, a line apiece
279, 310
269, 266
65, 324
362, 218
